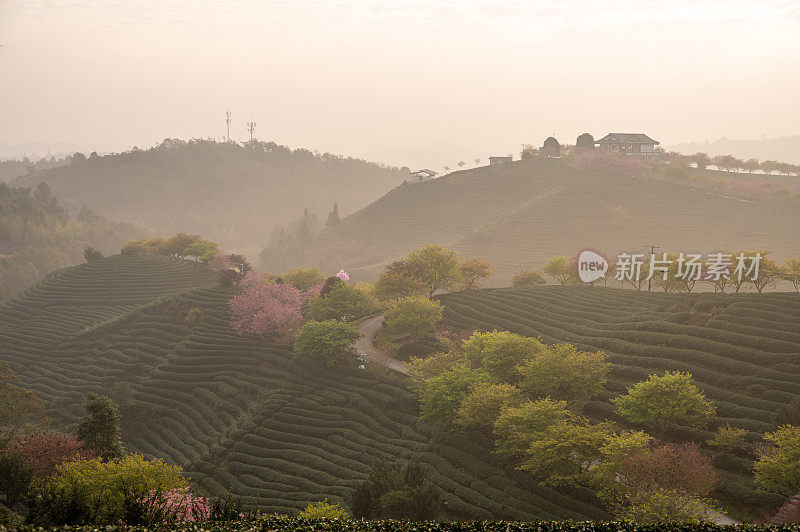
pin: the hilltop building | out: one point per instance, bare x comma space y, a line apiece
422, 175
634, 144
500, 159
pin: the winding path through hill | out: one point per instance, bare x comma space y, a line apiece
366, 344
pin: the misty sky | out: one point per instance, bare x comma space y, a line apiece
421, 83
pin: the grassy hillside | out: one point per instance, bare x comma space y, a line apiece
238, 413
743, 350
37, 236
231, 193
521, 213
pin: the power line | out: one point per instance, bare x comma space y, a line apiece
652, 254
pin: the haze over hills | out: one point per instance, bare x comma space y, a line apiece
232, 193
786, 149
519, 214
37, 236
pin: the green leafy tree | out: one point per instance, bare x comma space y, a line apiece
528, 278
439, 267
702, 160
323, 510
777, 467
134, 247
500, 352
518, 427
481, 408
561, 453
342, 302
558, 269
442, 395
175, 246
563, 372
585, 141
99, 428
334, 220
399, 280
202, 251
769, 273
392, 492
16, 476
791, 272
421, 369
614, 454
665, 401
105, 492
728, 438
92, 254
415, 316
20, 410
240, 263
329, 342
303, 278
662, 506
473, 273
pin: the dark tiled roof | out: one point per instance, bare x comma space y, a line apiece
628, 137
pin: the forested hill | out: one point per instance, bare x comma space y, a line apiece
519, 214
232, 193
37, 236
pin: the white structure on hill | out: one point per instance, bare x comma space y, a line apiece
422, 175
500, 159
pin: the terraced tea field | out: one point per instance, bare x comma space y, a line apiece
743, 350
522, 213
238, 413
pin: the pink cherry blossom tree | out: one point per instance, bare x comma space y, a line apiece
266, 309
222, 262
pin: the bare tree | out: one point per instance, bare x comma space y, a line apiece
461, 164
446, 168
477, 163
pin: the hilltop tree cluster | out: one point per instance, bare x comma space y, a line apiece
217, 189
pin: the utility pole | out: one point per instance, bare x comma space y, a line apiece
228, 122
652, 254
251, 126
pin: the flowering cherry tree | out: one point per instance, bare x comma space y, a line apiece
254, 278
177, 506
265, 309
47, 450
343, 276
222, 262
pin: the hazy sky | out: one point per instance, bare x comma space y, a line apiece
422, 83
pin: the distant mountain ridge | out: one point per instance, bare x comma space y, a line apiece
229, 192
782, 149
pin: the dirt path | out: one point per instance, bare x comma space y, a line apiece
365, 345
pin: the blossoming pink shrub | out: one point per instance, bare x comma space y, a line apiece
177, 506
343, 276
254, 278
609, 162
266, 309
